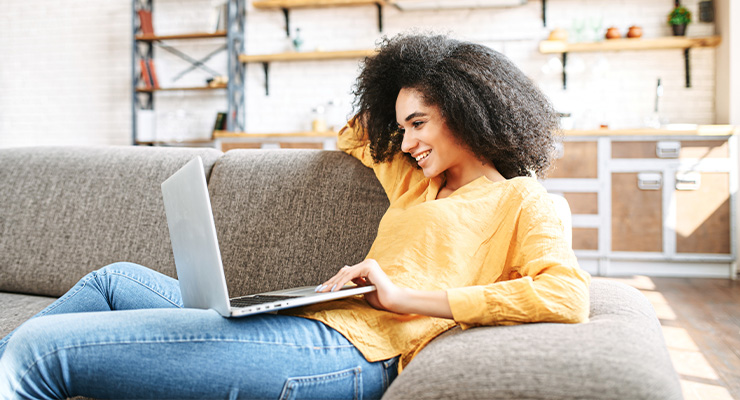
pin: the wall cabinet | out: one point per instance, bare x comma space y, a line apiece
654, 205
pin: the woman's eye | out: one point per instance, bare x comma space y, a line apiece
417, 123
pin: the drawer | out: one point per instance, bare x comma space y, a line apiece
670, 149
585, 238
579, 160
583, 203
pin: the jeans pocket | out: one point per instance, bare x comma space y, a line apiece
390, 371
346, 384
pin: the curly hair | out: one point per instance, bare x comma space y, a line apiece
487, 103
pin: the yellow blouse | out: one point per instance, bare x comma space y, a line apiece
497, 248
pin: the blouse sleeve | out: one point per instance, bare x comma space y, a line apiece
396, 176
548, 284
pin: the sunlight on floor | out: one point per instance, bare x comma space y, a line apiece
699, 381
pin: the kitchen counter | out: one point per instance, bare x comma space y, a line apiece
671, 130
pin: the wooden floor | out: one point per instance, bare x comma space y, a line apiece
701, 325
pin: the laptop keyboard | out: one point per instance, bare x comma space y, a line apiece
258, 299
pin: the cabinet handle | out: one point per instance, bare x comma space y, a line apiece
668, 149
688, 181
649, 181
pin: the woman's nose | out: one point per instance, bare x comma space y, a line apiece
408, 143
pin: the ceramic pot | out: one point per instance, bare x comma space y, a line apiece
613, 33
679, 30
634, 32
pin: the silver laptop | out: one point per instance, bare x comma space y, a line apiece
198, 258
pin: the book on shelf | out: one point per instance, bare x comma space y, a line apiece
220, 124
145, 22
148, 73
152, 73
145, 74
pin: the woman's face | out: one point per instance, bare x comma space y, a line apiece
426, 136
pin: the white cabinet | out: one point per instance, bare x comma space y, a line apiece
652, 205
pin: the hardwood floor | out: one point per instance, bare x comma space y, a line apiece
701, 326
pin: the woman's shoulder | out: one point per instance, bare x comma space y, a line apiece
525, 187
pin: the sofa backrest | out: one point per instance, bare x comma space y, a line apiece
65, 211
292, 217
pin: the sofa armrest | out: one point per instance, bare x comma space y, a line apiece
619, 354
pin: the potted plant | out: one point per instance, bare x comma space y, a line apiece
678, 18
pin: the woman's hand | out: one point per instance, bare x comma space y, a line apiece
387, 295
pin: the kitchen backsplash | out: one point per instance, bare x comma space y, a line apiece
67, 77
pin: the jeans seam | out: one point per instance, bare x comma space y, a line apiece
44, 356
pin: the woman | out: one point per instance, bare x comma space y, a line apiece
454, 132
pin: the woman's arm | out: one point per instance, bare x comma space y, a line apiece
549, 287
396, 176
548, 284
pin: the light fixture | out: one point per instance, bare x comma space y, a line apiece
412, 5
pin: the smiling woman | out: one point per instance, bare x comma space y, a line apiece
452, 131
434, 147
487, 104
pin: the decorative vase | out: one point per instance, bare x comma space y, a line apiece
613, 33
634, 32
679, 30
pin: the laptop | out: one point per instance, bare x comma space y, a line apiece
198, 258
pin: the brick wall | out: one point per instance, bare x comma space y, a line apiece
65, 75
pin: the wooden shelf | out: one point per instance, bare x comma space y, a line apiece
306, 56
195, 142
226, 134
277, 4
672, 42
214, 87
699, 130
286, 5
196, 35
266, 59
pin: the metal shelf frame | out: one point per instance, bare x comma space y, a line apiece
143, 47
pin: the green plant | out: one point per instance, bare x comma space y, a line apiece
679, 16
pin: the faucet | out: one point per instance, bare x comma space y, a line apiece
658, 95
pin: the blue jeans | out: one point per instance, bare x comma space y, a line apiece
151, 347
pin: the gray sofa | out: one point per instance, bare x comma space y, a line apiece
296, 216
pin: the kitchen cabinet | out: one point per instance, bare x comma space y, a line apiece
658, 203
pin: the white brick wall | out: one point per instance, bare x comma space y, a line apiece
65, 74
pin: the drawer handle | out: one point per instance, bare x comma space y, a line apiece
668, 149
649, 181
688, 181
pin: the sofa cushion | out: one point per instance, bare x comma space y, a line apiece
69, 210
292, 217
17, 308
619, 354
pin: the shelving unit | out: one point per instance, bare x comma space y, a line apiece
204, 35
266, 59
214, 87
672, 42
287, 5
143, 48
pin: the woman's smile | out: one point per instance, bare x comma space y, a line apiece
422, 156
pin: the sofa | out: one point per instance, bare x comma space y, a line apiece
286, 217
